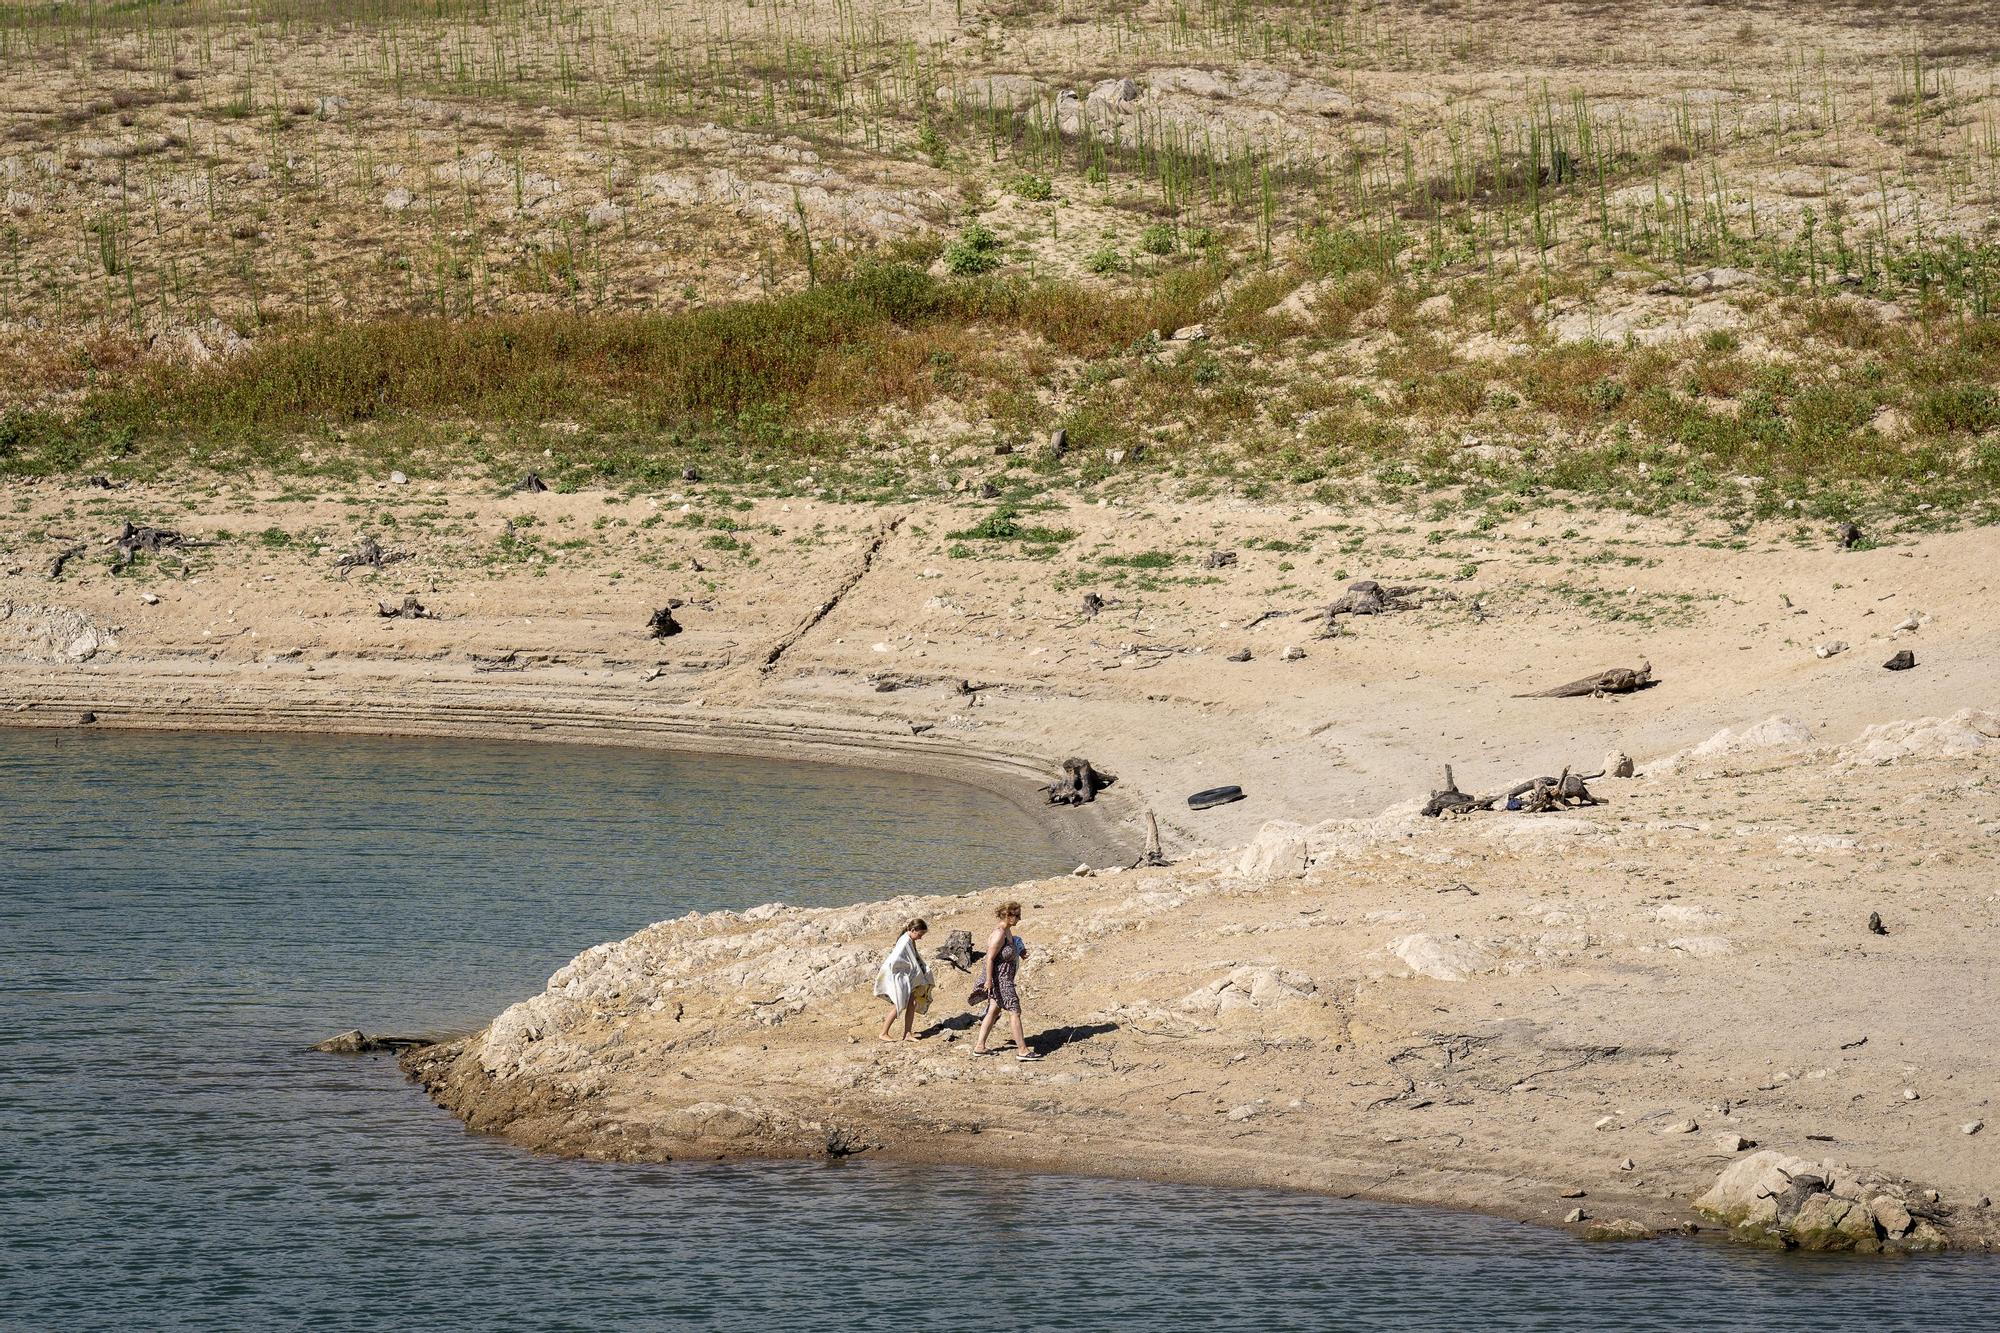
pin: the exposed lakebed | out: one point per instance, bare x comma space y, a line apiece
181, 915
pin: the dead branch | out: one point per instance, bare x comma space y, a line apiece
411, 609
62, 558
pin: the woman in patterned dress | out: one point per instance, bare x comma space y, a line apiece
1004, 952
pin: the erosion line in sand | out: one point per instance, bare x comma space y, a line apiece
826, 607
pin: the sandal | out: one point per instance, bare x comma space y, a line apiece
1026, 1056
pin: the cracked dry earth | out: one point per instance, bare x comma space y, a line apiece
1495, 1012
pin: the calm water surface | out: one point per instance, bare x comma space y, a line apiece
180, 916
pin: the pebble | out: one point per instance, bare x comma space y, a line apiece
1909, 1094
1575, 1215
398, 479
1572, 1194
1681, 1127
1733, 1142
150, 598
1972, 1127
1829, 648
1292, 653
1628, 1165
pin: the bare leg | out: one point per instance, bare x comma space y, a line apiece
1020, 1040
986, 1026
887, 1023
909, 1018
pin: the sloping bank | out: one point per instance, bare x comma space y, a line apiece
1610, 1019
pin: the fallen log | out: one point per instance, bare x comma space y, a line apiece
1079, 783
1615, 680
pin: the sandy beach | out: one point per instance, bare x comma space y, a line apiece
1586, 1014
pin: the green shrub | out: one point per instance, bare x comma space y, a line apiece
976, 251
1033, 188
1157, 239
1106, 261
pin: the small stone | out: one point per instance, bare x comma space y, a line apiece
1243, 1112
1681, 1127
1972, 1127
150, 598
1240, 655
1292, 653
1572, 1194
1909, 1094
1605, 1122
1902, 661
398, 479
1933, 1196
1082, 869
1830, 648
1875, 926
1733, 1142
87, 719
1618, 764
1628, 1165
1575, 1215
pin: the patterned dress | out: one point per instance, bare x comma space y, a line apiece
1005, 964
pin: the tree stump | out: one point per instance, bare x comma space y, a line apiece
1079, 783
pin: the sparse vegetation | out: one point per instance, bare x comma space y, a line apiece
314, 238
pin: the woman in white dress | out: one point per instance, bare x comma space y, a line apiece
904, 981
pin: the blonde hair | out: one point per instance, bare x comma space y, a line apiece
1006, 910
915, 924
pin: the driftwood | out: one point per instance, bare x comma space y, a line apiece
1534, 796
957, 950
368, 555
1079, 783
663, 625
62, 558
1616, 680
356, 1042
132, 539
1152, 855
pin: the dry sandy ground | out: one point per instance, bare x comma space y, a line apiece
1487, 1012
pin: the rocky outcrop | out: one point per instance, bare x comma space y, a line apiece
1775, 1199
1968, 731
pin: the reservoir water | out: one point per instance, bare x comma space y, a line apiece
181, 915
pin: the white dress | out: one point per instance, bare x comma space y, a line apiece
901, 973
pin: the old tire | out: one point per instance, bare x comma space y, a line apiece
1202, 800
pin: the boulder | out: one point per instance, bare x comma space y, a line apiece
1441, 959
1279, 849
1772, 1198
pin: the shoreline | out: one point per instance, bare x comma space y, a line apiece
1486, 1013
132, 695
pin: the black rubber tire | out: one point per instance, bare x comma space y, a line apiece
1202, 800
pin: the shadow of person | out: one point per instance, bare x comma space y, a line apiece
956, 1023
1050, 1040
